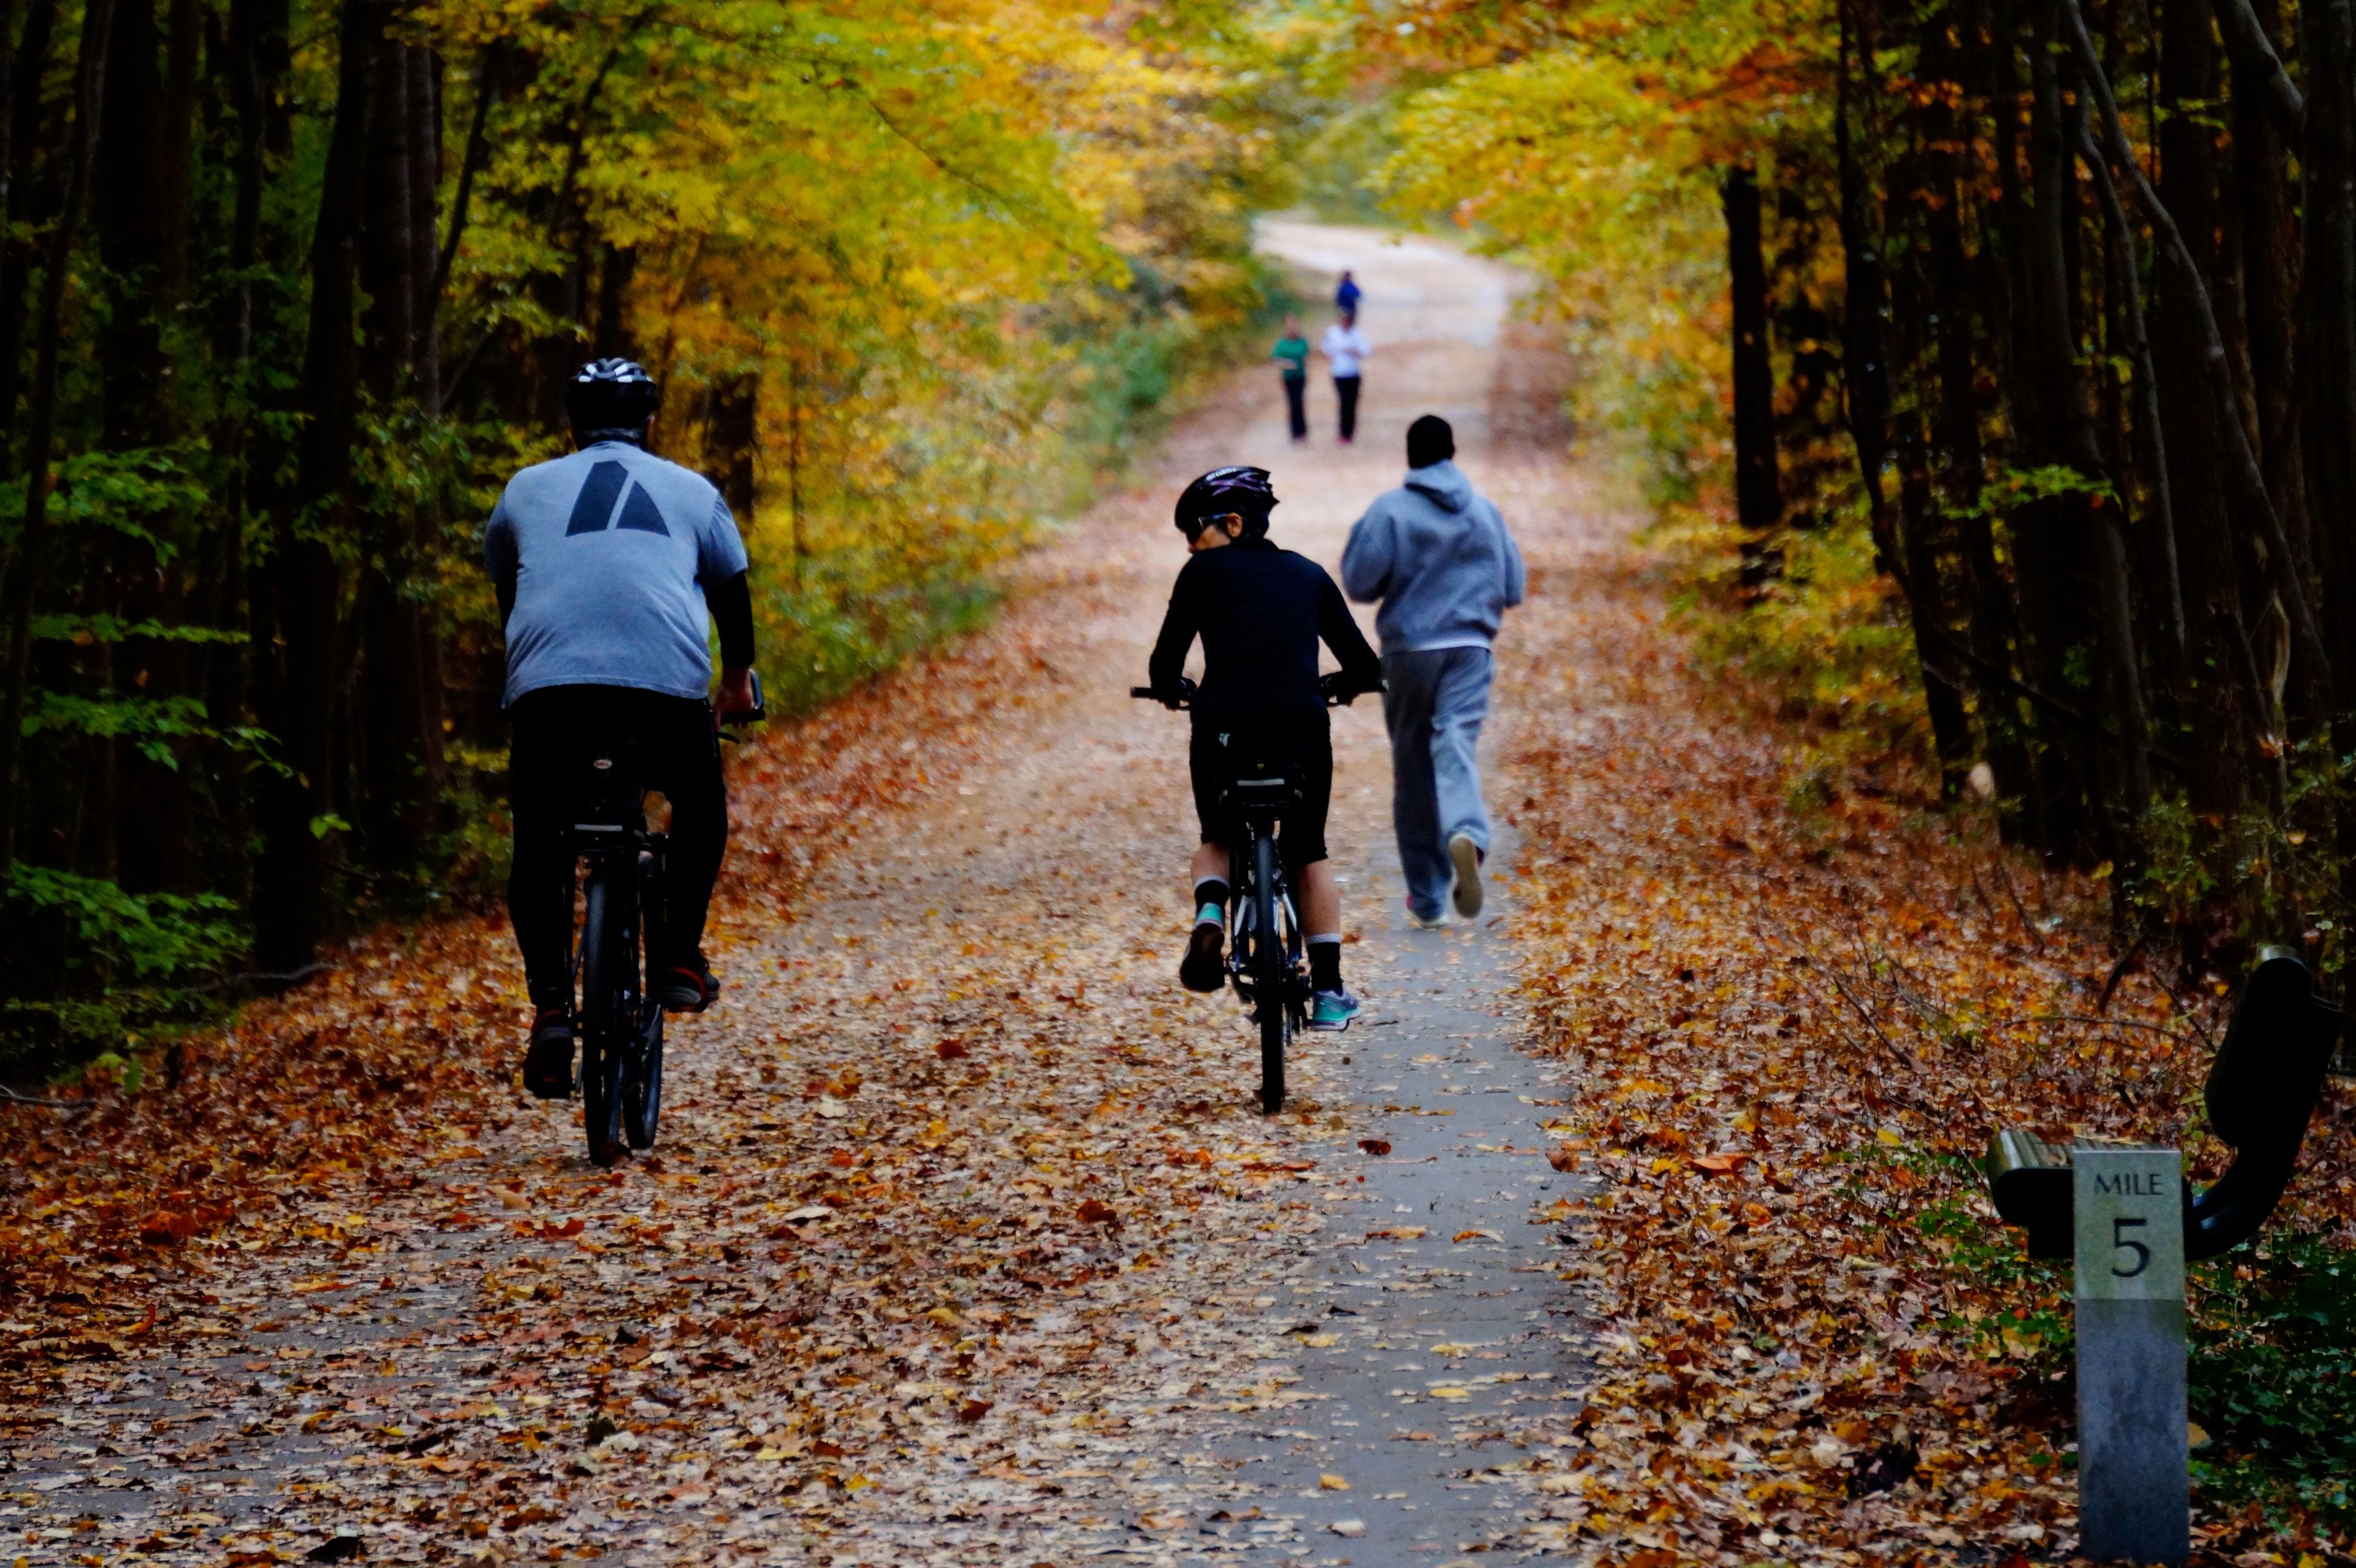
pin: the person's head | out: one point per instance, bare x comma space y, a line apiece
1428, 440
1291, 326
1224, 505
611, 400
1346, 274
1349, 317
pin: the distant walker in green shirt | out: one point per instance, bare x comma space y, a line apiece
1292, 352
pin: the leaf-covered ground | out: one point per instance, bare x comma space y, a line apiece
1798, 1024
963, 1235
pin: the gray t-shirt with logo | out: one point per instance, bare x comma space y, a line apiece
608, 552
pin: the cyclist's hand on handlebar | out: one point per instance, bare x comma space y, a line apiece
736, 695
1338, 687
1174, 698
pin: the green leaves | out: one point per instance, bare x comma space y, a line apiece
152, 724
156, 936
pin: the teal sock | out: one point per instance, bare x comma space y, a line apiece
1210, 902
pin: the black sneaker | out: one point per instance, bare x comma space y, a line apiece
548, 1064
1200, 969
687, 987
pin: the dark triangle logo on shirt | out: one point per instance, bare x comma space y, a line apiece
598, 494
640, 512
595, 509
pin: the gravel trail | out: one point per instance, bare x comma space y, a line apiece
964, 1243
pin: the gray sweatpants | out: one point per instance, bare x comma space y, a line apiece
1434, 705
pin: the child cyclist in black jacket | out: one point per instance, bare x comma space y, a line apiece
1260, 611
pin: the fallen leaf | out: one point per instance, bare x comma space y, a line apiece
1328, 1481
1376, 1147
1719, 1163
1478, 1235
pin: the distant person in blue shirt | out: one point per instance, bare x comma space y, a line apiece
1439, 558
1346, 297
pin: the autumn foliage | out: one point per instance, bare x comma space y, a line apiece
287, 294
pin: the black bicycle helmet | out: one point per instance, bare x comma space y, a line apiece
1242, 490
611, 398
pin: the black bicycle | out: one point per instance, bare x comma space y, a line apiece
618, 1023
1265, 956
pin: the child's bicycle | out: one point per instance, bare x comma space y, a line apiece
1264, 957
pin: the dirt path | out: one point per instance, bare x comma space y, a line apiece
963, 1243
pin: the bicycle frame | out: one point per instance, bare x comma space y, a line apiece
1243, 877
621, 1027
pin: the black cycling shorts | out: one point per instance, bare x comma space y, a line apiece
1217, 749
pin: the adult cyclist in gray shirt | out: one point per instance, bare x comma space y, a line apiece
611, 566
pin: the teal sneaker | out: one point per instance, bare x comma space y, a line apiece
1332, 1010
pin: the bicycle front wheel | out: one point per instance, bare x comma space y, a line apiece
608, 1019
1269, 977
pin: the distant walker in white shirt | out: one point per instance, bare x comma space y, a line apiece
1346, 349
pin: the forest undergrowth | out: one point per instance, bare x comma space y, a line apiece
1806, 998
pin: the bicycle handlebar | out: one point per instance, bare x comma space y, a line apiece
1332, 698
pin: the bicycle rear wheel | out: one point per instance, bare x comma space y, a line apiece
608, 1018
642, 1083
1269, 977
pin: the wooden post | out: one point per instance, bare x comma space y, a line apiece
2134, 1492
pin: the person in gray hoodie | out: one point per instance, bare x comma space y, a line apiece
1438, 559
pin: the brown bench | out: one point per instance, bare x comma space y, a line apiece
2261, 1089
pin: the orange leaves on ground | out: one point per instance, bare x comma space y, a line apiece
1793, 1055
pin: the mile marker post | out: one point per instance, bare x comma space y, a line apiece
2135, 1496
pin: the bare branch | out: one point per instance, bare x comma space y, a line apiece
2254, 57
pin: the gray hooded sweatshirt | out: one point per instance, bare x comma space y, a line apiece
1439, 558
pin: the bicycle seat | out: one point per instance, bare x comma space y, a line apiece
611, 798
1264, 797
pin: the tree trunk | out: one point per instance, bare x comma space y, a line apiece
1758, 498
2328, 162
2269, 232
180, 61
2051, 538
299, 809
23, 581
16, 256
128, 210
1865, 385
734, 440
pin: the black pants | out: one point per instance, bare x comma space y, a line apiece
1296, 404
1218, 748
670, 743
1347, 389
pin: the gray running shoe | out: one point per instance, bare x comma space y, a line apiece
1467, 856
